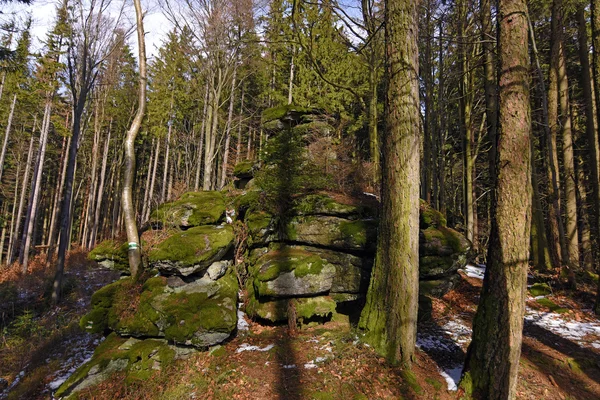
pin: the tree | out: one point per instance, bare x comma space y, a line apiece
134, 251
89, 44
491, 365
389, 319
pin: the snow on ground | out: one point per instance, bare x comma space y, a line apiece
571, 330
242, 324
247, 347
474, 271
452, 377
79, 351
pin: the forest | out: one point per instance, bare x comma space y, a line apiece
300, 199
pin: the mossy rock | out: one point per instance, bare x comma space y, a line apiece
140, 359
307, 308
192, 209
192, 251
322, 204
429, 217
552, 306
111, 254
442, 241
431, 267
438, 287
317, 128
200, 313
250, 199
333, 232
292, 272
540, 289
260, 228
286, 111
244, 169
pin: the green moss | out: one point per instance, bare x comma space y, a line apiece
410, 380
243, 169
199, 245
540, 289
307, 308
248, 200
274, 113
320, 128
96, 321
466, 384
192, 209
276, 263
437, 385
114, 252
430, 217
355, 232
552, 306
445, 237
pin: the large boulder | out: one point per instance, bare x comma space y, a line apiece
192, 251
305, 308
139, 359
191, 209
291, 273
200, 313
333, 232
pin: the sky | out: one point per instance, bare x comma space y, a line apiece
156, 24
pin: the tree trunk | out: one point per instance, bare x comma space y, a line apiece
228, 131
58, 197
590, 130
154, 169
35, 188
239, 132
200, 146
100, 193
490, 81
596, 71
134, 251
389, 318
491, 366
7, 134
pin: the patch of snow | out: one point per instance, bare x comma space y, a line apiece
80, 353
290, 366
539, 297
452, 377
247, 347
310, 365
555, 323
458, 331
476, 271
242, 324
370, 194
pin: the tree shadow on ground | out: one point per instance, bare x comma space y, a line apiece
570, 372
288, 385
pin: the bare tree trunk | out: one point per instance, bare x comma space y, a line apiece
15, 235
202, 134
147, 185
134, 252
6, 135
14, 209
163, 193
151, 194
94, 232
228, 130
35, 189
57, 198
291, 81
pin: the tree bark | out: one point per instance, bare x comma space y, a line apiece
389, 319
596, 72
134, 251
491, 366
7, 134
228, 131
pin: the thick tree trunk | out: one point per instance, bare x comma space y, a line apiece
596, 71
389, 319
491, 367
490, 81
591, 135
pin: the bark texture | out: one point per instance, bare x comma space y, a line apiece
389, 319
492, 365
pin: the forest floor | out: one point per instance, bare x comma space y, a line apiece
41, 345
